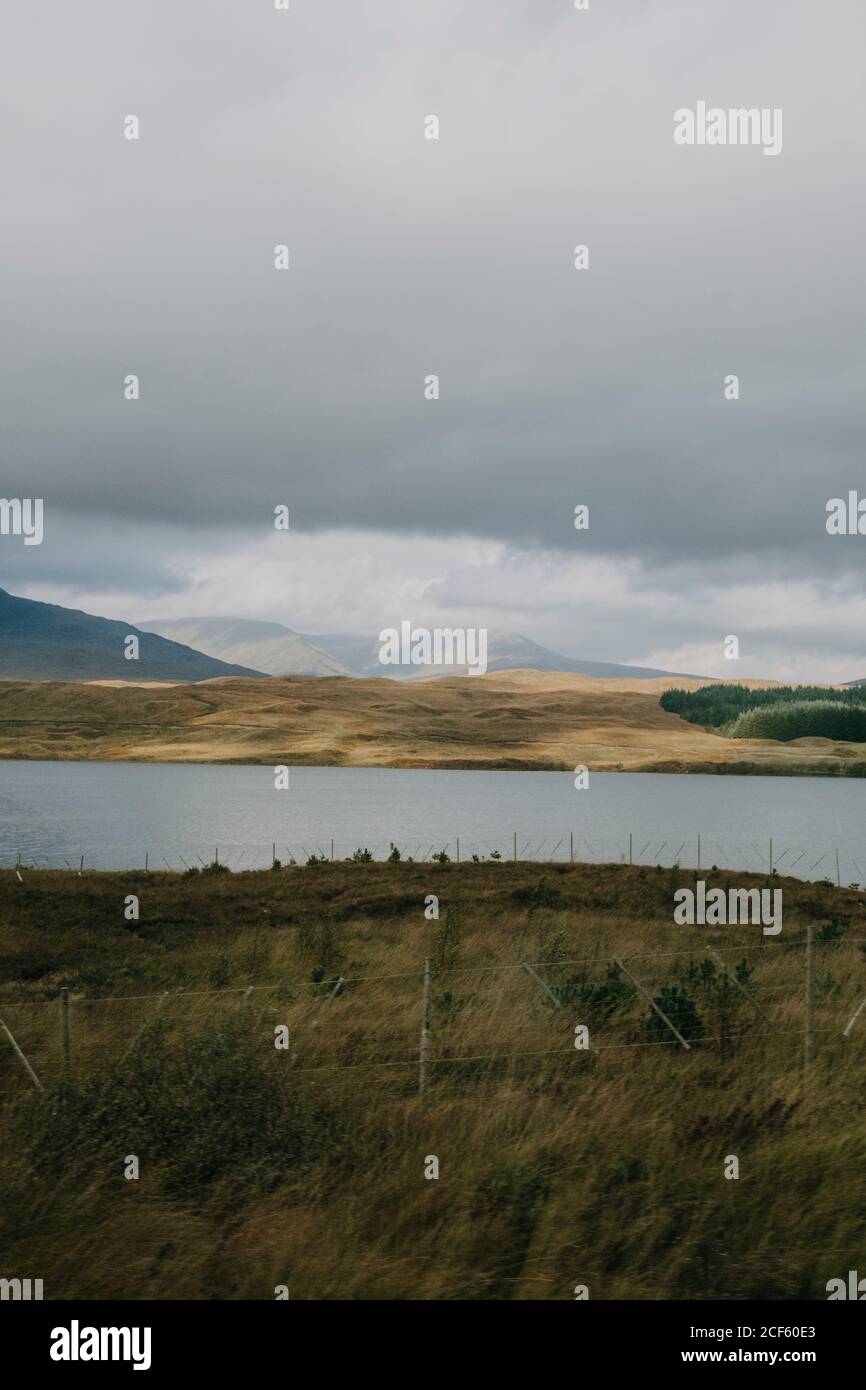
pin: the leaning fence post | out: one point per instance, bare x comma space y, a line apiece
27, 1067
425, 1033
515, 846
64, 1018
648, 996
732, 977
548, 991
854, 1017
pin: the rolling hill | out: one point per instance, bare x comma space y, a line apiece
530, 720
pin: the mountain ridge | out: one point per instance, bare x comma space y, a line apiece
271, 648
278, 650
46, 641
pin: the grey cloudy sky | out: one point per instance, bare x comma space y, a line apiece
452, 257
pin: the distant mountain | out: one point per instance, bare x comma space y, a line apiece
359, 655
43, 641
269, 647
506, 651
280, 651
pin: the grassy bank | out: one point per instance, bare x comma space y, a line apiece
306, 1167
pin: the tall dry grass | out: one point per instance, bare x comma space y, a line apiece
558, 1167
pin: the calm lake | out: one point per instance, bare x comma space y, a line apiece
52, 813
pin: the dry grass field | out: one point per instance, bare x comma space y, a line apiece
513, 719
558, 1167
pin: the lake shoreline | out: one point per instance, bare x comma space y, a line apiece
685, 768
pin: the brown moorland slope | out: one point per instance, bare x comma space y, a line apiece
514, 719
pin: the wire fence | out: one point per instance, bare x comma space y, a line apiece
838, 864
421, 1025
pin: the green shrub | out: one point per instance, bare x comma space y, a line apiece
682, 1011
208, 1107
598, 999
831, 933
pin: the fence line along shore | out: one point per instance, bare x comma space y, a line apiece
695, 851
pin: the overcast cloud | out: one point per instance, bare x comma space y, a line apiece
453, 257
